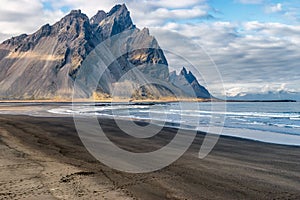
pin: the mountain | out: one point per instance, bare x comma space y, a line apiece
45, 64
267, 96
186, 80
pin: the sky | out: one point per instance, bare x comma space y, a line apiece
253, 44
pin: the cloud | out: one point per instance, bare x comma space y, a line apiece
274, 8
24, 16
194, 12
241, 90
161, 9
174, 4
159, 12
250, 1
247, 54
263, 92
291, 12
90, 8
4, 36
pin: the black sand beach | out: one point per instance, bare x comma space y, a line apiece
43, 158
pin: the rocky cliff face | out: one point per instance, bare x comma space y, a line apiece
45, 64
186, 80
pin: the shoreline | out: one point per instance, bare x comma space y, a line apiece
167, 100
236, 168
109, 100
43, 110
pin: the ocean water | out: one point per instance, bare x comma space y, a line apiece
276, 122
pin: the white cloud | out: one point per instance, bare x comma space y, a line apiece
263, 91
88, 7
173, 4
247, 54
193, 8
250, 1
276, 31
24, 16
194, 12
159, 12
274, 8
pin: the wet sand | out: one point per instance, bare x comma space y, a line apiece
43, 158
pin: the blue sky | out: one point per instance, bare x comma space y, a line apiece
226, 10
235, 11
263, 11
254, 43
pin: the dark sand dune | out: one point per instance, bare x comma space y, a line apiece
43, 158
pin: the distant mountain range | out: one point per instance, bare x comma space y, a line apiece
279, 95
45, 64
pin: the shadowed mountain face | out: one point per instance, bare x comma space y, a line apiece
185, 80
45, 64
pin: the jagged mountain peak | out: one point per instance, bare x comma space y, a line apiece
117, 21
43, 31
96, 19
15, 40
146, 31
56, 53
183, 71
188, 75
26, 42
75, 12
118, 9
186, 80
73, 15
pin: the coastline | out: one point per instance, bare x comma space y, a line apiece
235, 169
161, 100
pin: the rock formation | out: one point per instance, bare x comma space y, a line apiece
45, 64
